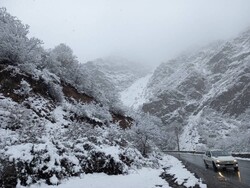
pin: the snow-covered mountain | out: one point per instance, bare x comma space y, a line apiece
207, 93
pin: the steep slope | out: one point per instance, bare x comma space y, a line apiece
207, 93
136, 94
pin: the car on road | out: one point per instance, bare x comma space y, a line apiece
219, 159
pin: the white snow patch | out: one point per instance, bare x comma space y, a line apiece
136, 94
111, 150
143, 178
21, 152
59, 114
54, 180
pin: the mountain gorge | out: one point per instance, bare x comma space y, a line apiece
61, 118
203, 95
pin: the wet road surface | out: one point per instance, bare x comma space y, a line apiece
223, 178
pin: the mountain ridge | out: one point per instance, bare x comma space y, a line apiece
213, 80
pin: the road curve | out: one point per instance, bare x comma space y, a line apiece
223, 178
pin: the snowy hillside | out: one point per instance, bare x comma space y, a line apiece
206, 93
58, 119
52, 131
136, 94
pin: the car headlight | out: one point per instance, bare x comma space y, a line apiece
235, 161
217, 161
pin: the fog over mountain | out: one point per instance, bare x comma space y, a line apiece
146, 31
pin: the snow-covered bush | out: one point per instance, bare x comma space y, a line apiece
81, 150
42, 161
24, 88
8, 177
24, 122
94, 111
111, 140
18, 117
47, 77
19, 124
55, 92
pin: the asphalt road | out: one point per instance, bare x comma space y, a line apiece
223, 178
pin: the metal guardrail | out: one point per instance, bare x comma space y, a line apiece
238, 154
175, 151
242, 155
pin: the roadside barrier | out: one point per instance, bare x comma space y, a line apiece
235, 154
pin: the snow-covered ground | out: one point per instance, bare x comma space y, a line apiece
135, 95
143, 178
189, 138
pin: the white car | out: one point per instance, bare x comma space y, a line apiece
219, 159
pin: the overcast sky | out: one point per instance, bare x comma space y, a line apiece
148, 31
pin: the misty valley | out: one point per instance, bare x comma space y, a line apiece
116, 122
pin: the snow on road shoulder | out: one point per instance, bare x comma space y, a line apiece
181, 175
243, 159
142, 178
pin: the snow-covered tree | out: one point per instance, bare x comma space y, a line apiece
50, 63
64, 54
15, 45
146, 133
